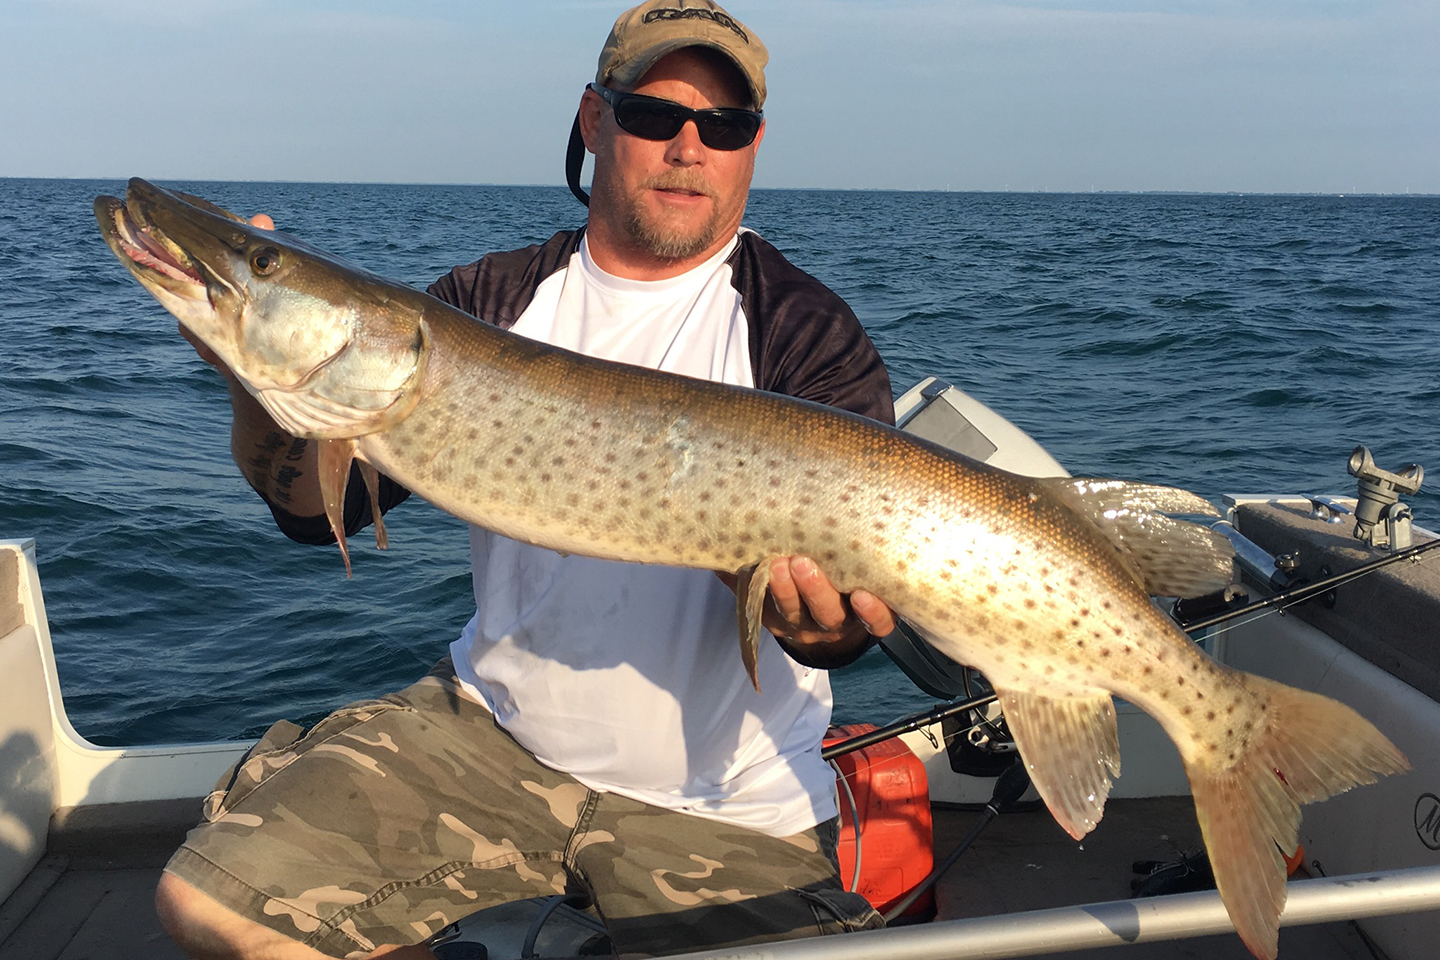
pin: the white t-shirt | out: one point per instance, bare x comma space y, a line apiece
629, 677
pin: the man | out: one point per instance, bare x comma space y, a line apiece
593, 730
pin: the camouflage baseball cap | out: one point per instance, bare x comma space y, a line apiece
657, 28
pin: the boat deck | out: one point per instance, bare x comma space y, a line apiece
90, 898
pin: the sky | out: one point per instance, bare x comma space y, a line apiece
1307, 96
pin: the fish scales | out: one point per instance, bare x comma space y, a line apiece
686, 473
1043, 584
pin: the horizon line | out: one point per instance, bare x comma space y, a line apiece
1164, 191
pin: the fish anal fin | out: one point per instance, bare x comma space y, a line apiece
1308, 747
333, 459
1071, 749
750, 585
371, 476
1168, 557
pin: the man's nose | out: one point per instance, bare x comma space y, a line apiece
685, 148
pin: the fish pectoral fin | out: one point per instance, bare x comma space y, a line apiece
1071, 748
750, 585
333, 458
371, 476
1168, 557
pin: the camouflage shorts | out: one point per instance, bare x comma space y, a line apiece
391, 818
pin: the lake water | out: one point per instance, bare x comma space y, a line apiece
1222, 343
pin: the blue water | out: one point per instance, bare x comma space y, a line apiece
1222, 343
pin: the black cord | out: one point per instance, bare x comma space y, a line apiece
1009, 786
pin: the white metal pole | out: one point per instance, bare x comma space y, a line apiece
1105, 924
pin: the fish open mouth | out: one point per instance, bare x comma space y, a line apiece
147, 247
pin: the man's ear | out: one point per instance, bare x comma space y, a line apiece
592, 110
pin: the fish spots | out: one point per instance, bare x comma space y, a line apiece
1029, 603
1179, 681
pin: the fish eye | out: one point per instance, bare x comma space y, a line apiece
264, 261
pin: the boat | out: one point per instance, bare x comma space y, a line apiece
85, 829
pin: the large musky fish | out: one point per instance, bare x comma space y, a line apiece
1043, 584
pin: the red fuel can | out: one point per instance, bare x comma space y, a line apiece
894, 841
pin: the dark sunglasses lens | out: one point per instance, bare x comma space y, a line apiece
649, 121
729, 132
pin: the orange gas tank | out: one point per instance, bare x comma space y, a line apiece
896, 841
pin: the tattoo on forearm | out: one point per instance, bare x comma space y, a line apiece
284, 477
276, 483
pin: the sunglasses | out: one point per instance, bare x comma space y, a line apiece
650, 118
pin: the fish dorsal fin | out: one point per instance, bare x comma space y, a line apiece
1169, 557
1071, 749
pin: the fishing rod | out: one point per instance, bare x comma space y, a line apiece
1306, 591
904, 725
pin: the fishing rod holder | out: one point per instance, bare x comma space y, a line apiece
1381, 520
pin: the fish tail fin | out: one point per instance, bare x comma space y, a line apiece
1308, 747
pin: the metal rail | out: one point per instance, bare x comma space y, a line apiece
1109, 924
